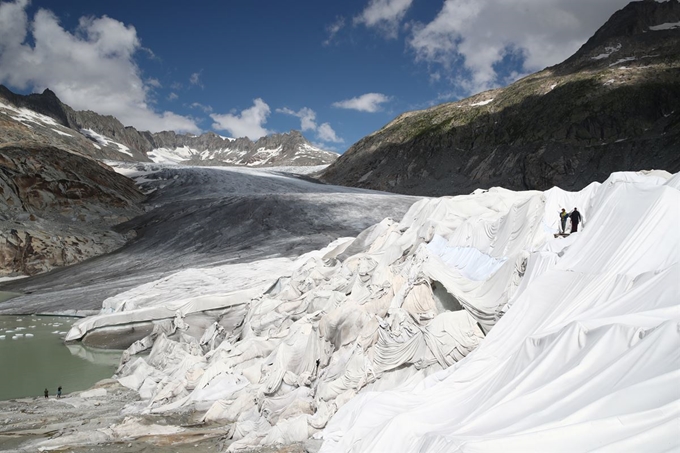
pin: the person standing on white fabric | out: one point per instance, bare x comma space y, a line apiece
564, 215
575, 219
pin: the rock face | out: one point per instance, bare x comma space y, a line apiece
612, 106
57, 208
44, 118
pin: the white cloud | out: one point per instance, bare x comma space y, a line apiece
384, 14
481, 33
195, 79
154, 83
198, 105
333, 29
307, 117
369, 102
172, 96
249, 123
327, 134
90, 69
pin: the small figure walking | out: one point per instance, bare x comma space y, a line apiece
575, 219
564, 215
47, 393
59, 392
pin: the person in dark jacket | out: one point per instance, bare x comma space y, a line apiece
47, 393
575, 220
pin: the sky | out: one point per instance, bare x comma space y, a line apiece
337, 70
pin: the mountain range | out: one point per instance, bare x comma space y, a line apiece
612, 106
43, 118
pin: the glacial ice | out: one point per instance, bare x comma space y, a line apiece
467, 326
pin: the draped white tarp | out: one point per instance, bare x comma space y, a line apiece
587, 358
467, 326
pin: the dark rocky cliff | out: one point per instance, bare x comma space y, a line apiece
58, 208
612, 106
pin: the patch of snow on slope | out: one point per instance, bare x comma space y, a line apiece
230, 156
306, 150
623, 60
61, 133
666, 26
305, 147
488, 101
263, 155
105, 141
607, 52
171, 156
25, 116
226, 155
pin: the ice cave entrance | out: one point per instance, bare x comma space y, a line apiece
33, 357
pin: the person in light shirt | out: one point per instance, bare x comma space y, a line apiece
564, 215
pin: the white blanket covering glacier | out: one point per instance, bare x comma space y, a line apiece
468, 326
587, 358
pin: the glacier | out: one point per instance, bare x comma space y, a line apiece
467, 326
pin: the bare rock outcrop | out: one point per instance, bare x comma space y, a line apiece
58, 208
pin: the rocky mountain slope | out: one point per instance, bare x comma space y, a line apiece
58, 208
611, 106
45, 119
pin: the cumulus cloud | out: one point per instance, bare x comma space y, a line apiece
327, 134
481, 34
369, 102
249, 123
333, 29
307, 117
172, 96
384, 15
91, 68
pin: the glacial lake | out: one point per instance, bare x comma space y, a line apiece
33, 357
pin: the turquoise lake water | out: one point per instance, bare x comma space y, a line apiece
33, 357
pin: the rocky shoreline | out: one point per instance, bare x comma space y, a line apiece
96, 420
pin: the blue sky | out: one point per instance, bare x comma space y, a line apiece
337, 70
